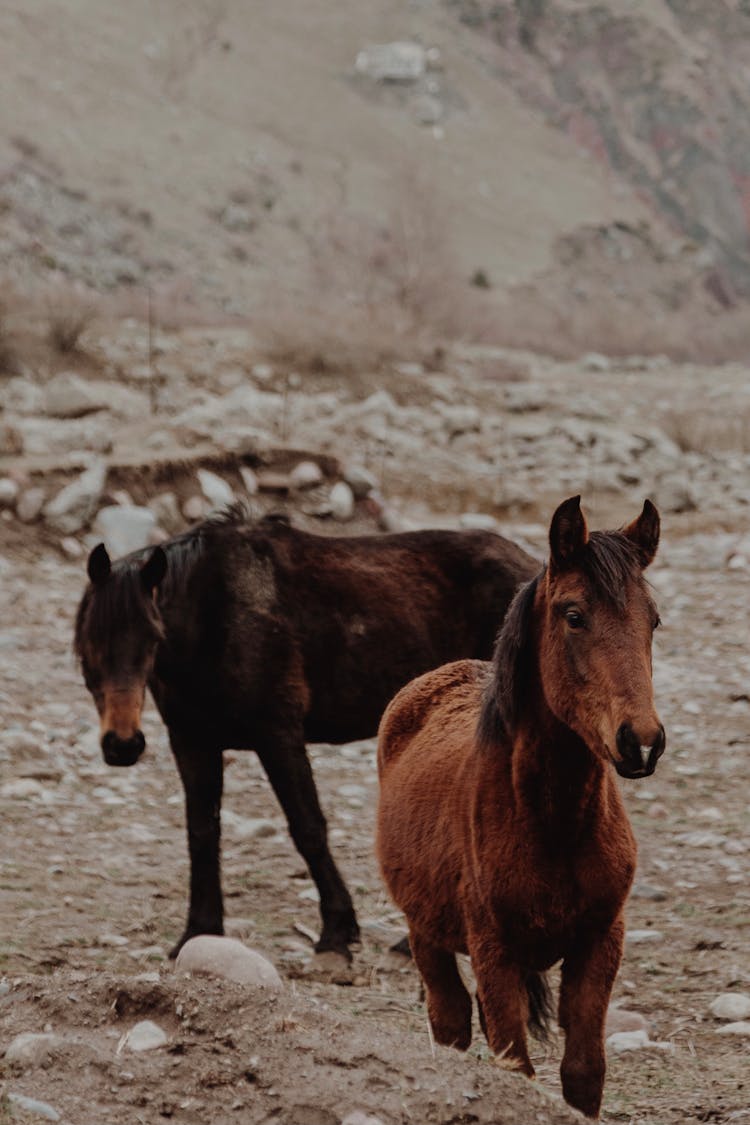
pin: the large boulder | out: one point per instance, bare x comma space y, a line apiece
230, 959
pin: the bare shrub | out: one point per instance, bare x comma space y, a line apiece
371, 293
68, 319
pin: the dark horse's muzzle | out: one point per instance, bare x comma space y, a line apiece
638, 760
122, 751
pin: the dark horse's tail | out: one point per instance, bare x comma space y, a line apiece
540, 1005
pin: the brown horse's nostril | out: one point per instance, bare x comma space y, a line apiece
122, 751
638, 759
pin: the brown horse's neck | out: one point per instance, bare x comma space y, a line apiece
557, 780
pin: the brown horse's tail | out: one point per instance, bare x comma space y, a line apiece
540, 1005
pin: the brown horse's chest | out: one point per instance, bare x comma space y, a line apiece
544, 909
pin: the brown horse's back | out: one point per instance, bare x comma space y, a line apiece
423, 750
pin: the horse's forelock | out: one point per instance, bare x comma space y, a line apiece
105, 610
503, 696
610, 562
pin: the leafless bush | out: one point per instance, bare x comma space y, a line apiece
68, 319
373, 293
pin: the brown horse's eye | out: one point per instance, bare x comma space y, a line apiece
657, 622
574, 619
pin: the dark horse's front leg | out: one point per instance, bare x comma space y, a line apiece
284, 758
202, 773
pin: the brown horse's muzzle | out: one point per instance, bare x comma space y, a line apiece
637, 760
122, 739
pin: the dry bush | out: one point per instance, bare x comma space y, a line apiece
531, 320
67, 319
370, 293
695, 431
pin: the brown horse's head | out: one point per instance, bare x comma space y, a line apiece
595, 640
117, 630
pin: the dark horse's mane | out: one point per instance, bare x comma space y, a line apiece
123, 596
609, 562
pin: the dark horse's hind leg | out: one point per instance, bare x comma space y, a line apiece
202, 773
288, 768
448, 1002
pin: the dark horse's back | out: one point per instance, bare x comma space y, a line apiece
352, 619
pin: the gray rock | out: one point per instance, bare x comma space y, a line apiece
731, 1006
306, 474
361, 481
246, 828
21, 396
32, 1049
392, 62
477, 521
31, 1105
619, 1019
215, 489
628, 1040
740, 1027
71, 548
124, 528
249, 479
67, 395
341, 499
674, 495
166, 509
30, 504
143, 1036
642, 937
74, 505
357, 1117
427, 109
461, 419
194, 508
229, 959
8, 492
593, 361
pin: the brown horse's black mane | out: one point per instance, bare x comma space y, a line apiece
609, 562
122, 596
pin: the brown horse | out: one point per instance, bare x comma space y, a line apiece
256, 635
501, 831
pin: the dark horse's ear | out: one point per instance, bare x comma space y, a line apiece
154, 569
99, 566
644, 533
568, 533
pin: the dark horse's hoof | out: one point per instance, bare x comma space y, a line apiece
191, 933
338, 939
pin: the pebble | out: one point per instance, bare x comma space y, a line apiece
731, 1006
305, 474
194, 508
229, 959
215, 489
628, 1040
361, 481
620, 1019
31, 1105
31, 1049
246, 828
30, 504
642, 937
8, 492
740, 1027
357, 1117
341, 499
249, 479
143, 1036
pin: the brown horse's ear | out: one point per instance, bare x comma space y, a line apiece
644, 533
154, 569
568, 533
99, 566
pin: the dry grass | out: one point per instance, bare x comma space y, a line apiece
370, 294
695, 431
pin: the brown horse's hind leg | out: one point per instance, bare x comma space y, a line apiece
288, 768
587, 978
448, 1002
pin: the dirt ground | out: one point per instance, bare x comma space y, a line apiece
94, 878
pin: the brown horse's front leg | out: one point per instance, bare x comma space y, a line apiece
587, 978
502, 999
202, 773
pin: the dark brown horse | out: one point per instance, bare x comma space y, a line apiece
261, 636
501, 831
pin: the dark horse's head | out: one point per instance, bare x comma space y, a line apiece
595, 651
118, 627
